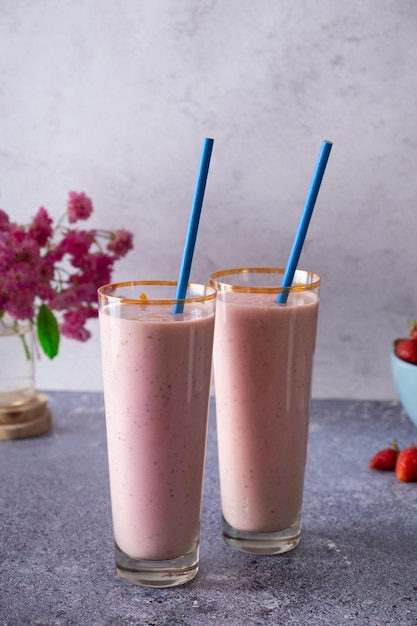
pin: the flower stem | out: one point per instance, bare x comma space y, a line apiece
25, 347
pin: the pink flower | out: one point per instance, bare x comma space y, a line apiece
77, 242
79, 206
66, 299
121, 242
6, 250
17, 232
41, 227
46, 269
18, 284
4, 221
26, 250
74, 321
96, 270
85, 289
43, 269
55, 253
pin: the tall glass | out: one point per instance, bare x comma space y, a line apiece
156, 374
263, 359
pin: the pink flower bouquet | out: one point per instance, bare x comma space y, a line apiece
45, 269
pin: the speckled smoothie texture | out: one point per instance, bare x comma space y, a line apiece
263, 355
157, 383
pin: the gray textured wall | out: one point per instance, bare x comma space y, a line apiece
114, 97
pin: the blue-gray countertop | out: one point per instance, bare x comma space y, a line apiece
356, 562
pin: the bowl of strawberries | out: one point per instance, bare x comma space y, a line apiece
404, 371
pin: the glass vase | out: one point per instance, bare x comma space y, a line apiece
17, 368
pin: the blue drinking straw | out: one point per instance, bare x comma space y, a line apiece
193, 225
305, 220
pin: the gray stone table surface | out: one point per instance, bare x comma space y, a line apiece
356, 562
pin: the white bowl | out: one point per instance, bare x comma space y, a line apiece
405, 379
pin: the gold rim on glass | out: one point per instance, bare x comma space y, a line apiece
106, 292
312, 280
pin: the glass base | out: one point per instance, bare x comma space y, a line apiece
160, 574
262, 543
17, 397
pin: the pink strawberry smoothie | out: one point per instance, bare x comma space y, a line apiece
263, 356
156, 374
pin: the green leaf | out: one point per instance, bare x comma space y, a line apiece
48, 331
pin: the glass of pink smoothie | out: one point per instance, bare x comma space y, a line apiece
156, 375
263, 359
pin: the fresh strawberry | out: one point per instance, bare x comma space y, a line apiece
386, 458
406, 468
406, 349
413, 330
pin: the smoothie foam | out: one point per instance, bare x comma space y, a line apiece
263, 355
156, 374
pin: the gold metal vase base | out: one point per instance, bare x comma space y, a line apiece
27, 420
